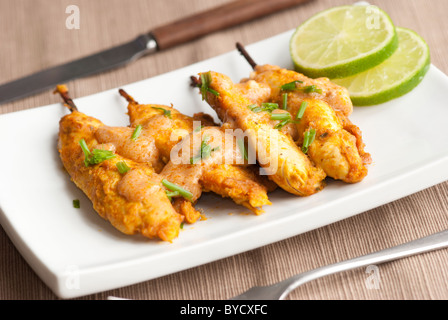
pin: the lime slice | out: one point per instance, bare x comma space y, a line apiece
343, 41
396, 76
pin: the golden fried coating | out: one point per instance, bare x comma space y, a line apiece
274, 77
245, 187
338, 147
281, 159
134, 202
217, 171
165, 124
169, 128
334, 149
142, 149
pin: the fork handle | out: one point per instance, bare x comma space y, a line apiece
433, 242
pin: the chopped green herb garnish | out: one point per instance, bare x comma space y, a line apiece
193, 160
285, 101
206, 79
182, 225
268, 106
96, 156
99, 156
281, 116
312, 88
122, 167
257, 109
171, 194
76, 204
242, 148
85, 149
205, 150
137, 132
308, 139
175, 188
306, 89
281, 124
301, 111
198, 128
290, 85
284, 119
166, 112
216, 93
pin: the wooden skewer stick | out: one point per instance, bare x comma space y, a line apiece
127, 96
195, 82
246, 55
63, 92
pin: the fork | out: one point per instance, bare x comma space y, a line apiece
280, 290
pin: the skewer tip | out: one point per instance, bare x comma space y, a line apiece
246, 55
125, 95
62, 90
195, 82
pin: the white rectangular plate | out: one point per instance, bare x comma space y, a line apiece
76, 253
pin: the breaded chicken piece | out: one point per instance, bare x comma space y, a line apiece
274, 77
334, 149
338, 148
142, 149
216, 171
281, 159
231, 179
134, 202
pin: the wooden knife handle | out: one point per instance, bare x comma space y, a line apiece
219, 18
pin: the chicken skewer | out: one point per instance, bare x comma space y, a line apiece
145, 149
223, 171
282, 160
321, 88
134, 202
320, 107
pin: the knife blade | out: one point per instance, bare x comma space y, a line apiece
49, 78
161, 38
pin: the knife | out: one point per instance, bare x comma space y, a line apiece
161, 38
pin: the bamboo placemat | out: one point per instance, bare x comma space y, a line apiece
35, 37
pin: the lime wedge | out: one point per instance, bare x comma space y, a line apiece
396, 76
342, 41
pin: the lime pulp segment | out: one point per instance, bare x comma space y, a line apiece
343, 41
396, 76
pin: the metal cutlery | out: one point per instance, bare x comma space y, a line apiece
280, 290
